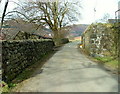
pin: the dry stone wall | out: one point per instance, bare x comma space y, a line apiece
98, 40
17, 55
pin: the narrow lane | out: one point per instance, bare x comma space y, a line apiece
70, 71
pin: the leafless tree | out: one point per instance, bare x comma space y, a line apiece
56, 14
3, 15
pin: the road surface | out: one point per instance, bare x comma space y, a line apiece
70, 71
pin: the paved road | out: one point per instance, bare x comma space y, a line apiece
70, 71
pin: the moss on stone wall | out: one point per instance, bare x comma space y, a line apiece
17, 55
99, 40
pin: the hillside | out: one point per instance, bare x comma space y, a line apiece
76, 30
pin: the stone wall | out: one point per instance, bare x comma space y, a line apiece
17, 55
98, 40
21, 35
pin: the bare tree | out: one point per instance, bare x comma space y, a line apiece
56, 15
3, 15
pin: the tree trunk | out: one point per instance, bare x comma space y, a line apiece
56, 38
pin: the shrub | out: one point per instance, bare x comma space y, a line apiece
64, 40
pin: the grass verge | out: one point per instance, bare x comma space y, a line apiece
108, 62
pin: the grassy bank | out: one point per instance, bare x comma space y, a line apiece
109, 61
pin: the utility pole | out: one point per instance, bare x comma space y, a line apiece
94, 14
116, 15
95, 10
3, 15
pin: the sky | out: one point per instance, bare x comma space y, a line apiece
101, 6
88, 15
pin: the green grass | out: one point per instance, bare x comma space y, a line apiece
4, 86
113, 64
104, 59
109, 61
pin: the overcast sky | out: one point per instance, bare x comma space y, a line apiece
88, 15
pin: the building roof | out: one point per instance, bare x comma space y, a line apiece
12, 27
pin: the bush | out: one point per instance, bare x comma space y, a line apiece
60, 41
64, 40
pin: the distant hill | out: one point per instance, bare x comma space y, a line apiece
73, 30
76, 30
